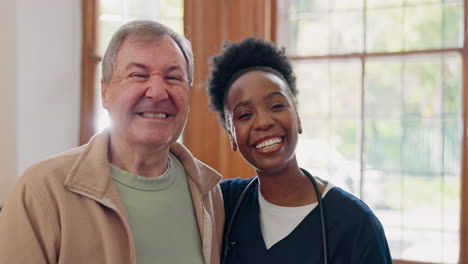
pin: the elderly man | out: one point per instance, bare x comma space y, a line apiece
132, 194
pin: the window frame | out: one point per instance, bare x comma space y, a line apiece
89, 61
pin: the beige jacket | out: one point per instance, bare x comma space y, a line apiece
67, 210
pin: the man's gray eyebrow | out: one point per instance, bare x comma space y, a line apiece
136, 64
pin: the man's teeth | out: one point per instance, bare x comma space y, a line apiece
154, 115
270, 143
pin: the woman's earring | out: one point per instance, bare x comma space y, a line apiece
234, 145
299, 125
233, 142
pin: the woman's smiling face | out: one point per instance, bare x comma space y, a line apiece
262, 120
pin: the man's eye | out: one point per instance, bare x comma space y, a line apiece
174, 78
139, 75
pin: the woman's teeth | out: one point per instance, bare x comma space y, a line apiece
154, 115
270, 143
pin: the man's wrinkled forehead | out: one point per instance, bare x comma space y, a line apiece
136, 41
142, 38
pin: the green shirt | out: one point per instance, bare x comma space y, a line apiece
161, 215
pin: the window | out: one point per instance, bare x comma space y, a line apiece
380, 98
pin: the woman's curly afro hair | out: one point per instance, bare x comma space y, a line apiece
236, 57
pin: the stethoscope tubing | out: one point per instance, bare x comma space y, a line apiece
226, 244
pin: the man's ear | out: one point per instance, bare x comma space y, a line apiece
233, 142
104, 98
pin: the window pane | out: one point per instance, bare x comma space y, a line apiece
167, 12
312, 83
421, 2
422, 146
384, 3
110, 7
346, 32
422, 93
423, 27
107, 25
452, 83
429, 2
384, 30
345, 140
329, 87
434, 25
114, 13
375, 190
305, 32
453, 25
307, 6
392, 25
345, 137
324, 150
315, 137
345, 87
394, 236
432, 85
383, 87
329, 107
414, 152
422, 244
305, 19
452, 142
346, 4
316, 29
451, 219
382, 144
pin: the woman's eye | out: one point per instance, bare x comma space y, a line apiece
243, 116
277, 106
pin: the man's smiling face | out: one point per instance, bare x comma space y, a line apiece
147, 96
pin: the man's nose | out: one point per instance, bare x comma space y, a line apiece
157, 89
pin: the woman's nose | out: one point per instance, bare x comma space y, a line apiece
263, 121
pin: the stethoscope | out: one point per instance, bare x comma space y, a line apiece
228, 246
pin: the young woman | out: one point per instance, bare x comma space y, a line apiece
280, 217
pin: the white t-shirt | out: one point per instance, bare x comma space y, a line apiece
277, 222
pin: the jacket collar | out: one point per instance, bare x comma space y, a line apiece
91, 175
203, 175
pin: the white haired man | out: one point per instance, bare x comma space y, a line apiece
132, 194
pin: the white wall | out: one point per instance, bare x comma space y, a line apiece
49, 50
8, 85
40, 77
